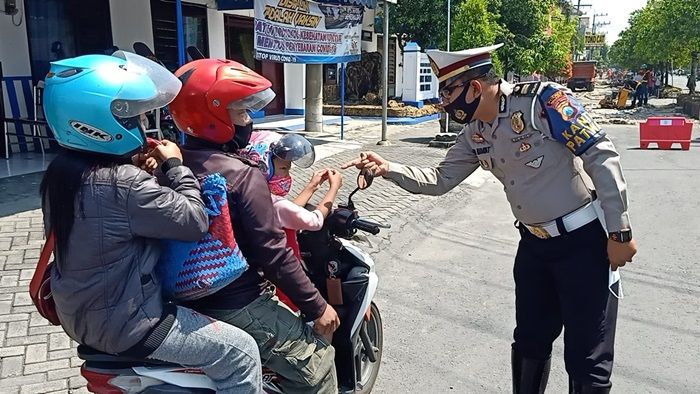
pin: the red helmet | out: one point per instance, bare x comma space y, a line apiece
210, 89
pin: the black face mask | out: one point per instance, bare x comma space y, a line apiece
242, 136
460, 111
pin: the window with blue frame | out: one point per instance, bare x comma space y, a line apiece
59, 29
194, 20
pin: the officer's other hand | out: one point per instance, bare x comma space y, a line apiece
369, 161
620, 254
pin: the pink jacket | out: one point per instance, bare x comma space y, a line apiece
294, 217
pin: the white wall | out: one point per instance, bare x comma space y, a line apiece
294, 86
368, 24
399, 71
14, 55
215, 25
131, 22
14, 46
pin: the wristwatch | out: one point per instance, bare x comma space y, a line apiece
621, 236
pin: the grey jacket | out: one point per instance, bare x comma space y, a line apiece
106, 293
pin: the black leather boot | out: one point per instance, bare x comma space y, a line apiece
529, 376
587, 388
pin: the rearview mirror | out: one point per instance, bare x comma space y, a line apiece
364, 180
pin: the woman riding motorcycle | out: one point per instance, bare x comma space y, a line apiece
212, 109
108, 215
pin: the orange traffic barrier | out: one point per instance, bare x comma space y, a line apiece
665, 131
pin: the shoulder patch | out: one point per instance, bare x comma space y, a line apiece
526, 89
568, 121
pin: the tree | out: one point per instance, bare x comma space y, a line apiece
601, 56
524, 23
421, 21
474, 25
662, 31
557, 45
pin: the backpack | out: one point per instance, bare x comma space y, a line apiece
192, 270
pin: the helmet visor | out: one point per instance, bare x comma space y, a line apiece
146, 85
295, 148
254, 102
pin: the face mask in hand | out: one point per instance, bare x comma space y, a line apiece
614, 277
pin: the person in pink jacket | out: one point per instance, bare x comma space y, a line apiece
274, 155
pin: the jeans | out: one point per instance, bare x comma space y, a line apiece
641, 95
226, 354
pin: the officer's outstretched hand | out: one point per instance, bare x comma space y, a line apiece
620, 254
370, 161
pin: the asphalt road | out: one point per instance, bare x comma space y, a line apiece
447, 298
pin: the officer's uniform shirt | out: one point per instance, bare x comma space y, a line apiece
542, 147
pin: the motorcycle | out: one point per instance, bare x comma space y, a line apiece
342, 272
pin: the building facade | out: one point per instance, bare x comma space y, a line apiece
47, 30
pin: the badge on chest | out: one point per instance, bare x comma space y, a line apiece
482, 149
517, 123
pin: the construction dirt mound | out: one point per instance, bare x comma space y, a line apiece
395, 110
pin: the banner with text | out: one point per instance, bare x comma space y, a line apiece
300, 31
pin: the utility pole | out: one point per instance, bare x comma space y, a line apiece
574, 55
599, 23
449, 22
594, 26
385, 73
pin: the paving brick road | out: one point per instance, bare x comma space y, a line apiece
36, 357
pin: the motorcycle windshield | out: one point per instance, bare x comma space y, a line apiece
146, 85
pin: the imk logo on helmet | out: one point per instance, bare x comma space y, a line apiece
212, 89
93, 103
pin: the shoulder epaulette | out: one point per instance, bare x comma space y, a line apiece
526, 89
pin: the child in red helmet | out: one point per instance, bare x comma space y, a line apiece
212, 108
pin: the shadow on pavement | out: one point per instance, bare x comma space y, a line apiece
417, 140
20, 193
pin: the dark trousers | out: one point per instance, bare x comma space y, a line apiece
562, 282
641, 95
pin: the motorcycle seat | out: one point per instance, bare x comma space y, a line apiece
95, 356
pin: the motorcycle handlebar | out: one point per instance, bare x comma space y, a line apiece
366, 226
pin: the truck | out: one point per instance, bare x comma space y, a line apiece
582, 76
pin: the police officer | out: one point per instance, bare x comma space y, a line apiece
538, 140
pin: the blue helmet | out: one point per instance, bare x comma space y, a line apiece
93, 103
